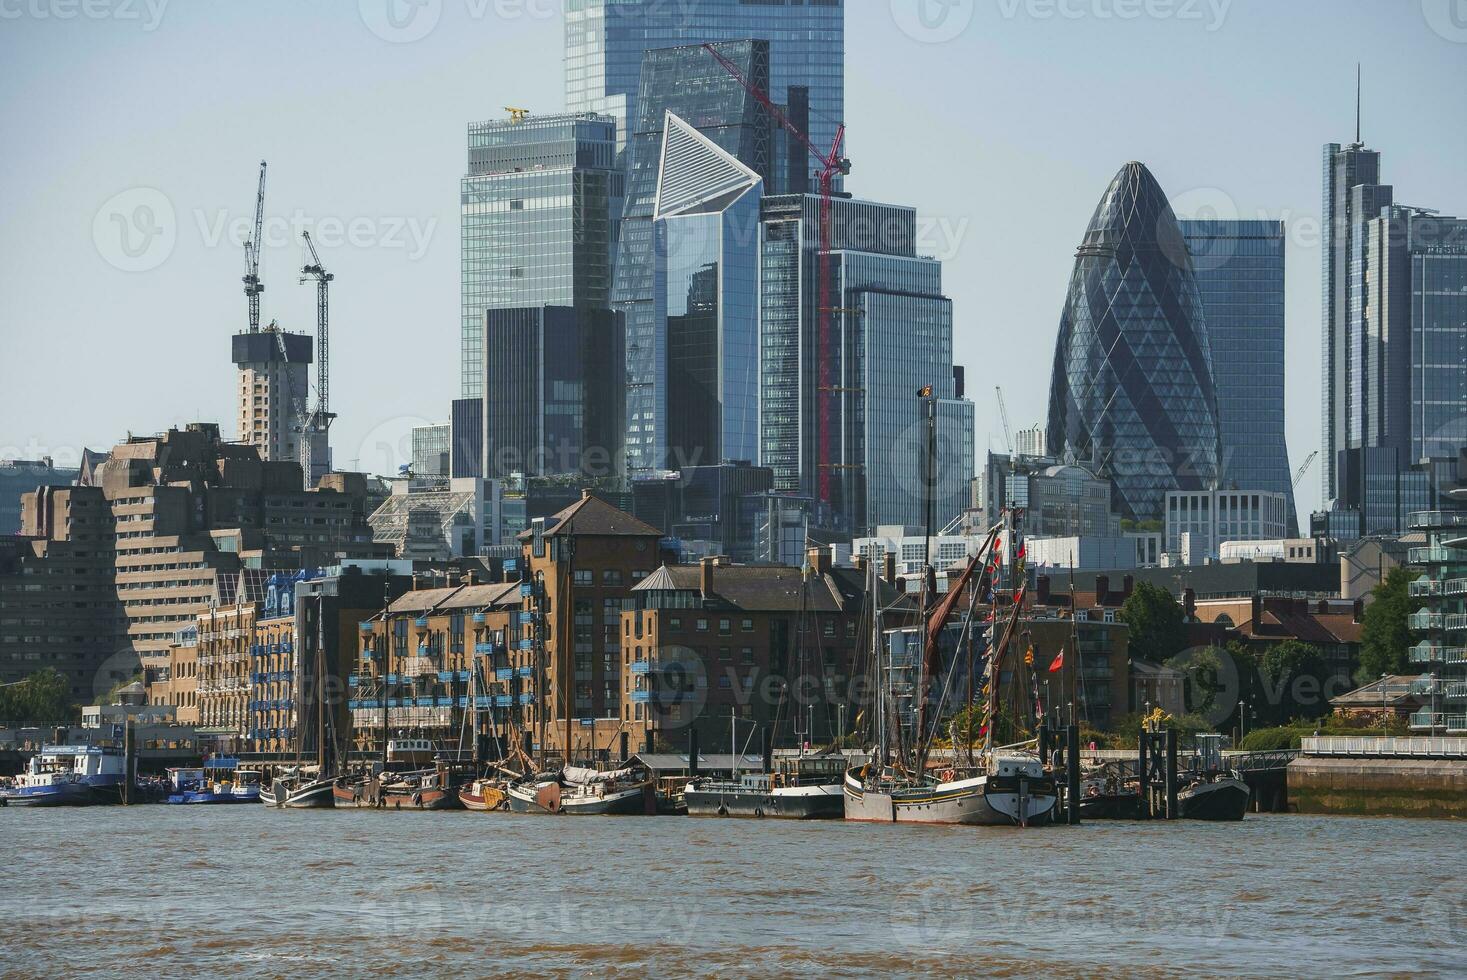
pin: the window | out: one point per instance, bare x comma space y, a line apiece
611, 576
584, 576
702, 626
747, 626
674, 624
725, 627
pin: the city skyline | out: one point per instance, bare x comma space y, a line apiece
395, 288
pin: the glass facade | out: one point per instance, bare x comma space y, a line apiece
605, 41
1436, 257
1344, 169
689, 84
1239, 268
553, 392
538, 210
1132, 390
432, 448
705, 281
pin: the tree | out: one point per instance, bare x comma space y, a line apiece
1291, 677
1384, 636
1157, 632
44, 698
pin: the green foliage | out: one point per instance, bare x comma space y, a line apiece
44, 698
1291, 677
1268, 739
1203, 678
1384, 636
1126, 731
1287, 736
1155, 621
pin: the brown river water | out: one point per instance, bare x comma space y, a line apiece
159, 891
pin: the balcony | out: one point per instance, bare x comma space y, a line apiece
419, 667
1456, 724
480, 619
484, 649
1454, 586
1425, 587
1455, 690
640, 666
1425, 519
367, 626
1428, 720
1431, 555
421, 622
1425, 620
1455, 622
1436, 653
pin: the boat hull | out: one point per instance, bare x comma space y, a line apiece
310, 796
784, 803
1224, 799
486, 799
976, 801
58, 794
551, 799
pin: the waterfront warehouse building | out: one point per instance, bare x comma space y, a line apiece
1132, 391
1239, 268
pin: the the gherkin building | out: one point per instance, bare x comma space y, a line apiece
1132, 393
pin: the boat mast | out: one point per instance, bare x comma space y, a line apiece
878, 662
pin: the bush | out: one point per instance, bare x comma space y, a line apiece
1272, 739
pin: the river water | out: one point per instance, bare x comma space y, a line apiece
178, 891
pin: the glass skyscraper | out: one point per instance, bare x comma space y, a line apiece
1239, 268
539, 203
606, 39
894, 329
688, 83
705, 404
1132, 391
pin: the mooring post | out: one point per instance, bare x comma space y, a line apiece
1171, 774
1143, 775
693, 751
626, 744
1042, 737
1072, 774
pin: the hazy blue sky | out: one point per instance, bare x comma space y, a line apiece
1002, 121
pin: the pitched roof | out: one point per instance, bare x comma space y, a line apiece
768, 588
457, 597
592, 516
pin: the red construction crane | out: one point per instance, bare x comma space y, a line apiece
832, 164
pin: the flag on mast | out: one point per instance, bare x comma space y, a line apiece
1059, 662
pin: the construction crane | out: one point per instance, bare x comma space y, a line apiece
321, 416
316, 426
832, 164
1299, 475
253, 287
1003, 412
516, 114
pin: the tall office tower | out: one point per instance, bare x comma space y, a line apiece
1345, 170
553, 392
1239, 267
688, 83
1408, 335
705, 399
274, 379
1132, 392
605, 41
896, 330
539, 203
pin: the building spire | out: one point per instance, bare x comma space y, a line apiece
1357, 104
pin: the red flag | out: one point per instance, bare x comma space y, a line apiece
1058, 662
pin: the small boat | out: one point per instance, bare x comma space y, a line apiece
294, 789
1220, 797
585, 792
1017, 793
219, 781
803, 788
484, 794
70, 775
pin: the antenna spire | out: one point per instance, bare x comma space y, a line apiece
1357, 103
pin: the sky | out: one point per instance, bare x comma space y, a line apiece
133, 130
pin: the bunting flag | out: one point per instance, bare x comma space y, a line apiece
924, 392
1059, 662
1029, 657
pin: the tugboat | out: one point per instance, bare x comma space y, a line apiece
298, 789
804, 788
70, 775
1215, 794
219, 781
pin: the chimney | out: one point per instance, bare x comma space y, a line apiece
1257, 610
1189, 603
888, 566
1127, 585
1102, 589
585, 493
705, 576
470, 578
1042, 588
859, 559
818, 559
1358, 608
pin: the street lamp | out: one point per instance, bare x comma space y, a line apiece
1431, 681
1383, 703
